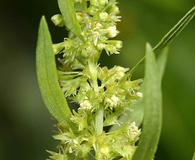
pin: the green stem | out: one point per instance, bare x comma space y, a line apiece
99, 121
168, 38
176, 30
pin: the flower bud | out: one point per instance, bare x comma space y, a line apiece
94, 2
120, 71
79, 17
112, 101
134, 132
139, 94
103, 16
101, 46
113, 47
112, 31
98, 26
58, 47
58, 20
103, 2
93, 10
86, 105
115, 9
116, 43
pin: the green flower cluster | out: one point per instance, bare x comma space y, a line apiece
100, 95
98, 23
119, 144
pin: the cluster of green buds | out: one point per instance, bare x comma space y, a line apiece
99, 96
98, 24
105, 106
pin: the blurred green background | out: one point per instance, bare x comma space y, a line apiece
26, 127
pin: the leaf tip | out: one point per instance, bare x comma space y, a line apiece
43, 20
149, 48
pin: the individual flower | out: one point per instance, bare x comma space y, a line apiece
134, 132
86, 105
58, 20
139, 94
112, 31
112, 101
103, 16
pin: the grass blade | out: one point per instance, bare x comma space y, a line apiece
69, 15
152, 102
47, 76
170, 36
176, 30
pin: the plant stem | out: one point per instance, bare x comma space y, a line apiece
168, 38
99, 121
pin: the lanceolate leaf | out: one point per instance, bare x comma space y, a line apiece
47, 76
134, 115
152, 102
193, 156
161, 61
69, 15
137, 110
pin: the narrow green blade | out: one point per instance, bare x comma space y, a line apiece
193, 156
176, 30
152, 103
69, 15
47, 76
170, 36
161, 61
137, 110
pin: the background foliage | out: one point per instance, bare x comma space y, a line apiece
26, 126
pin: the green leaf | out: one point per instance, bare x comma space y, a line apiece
193, 156
48, 78
152, 102
69, 15
137, 110
162, 59
134, 115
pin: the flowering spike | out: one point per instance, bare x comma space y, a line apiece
98, 95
